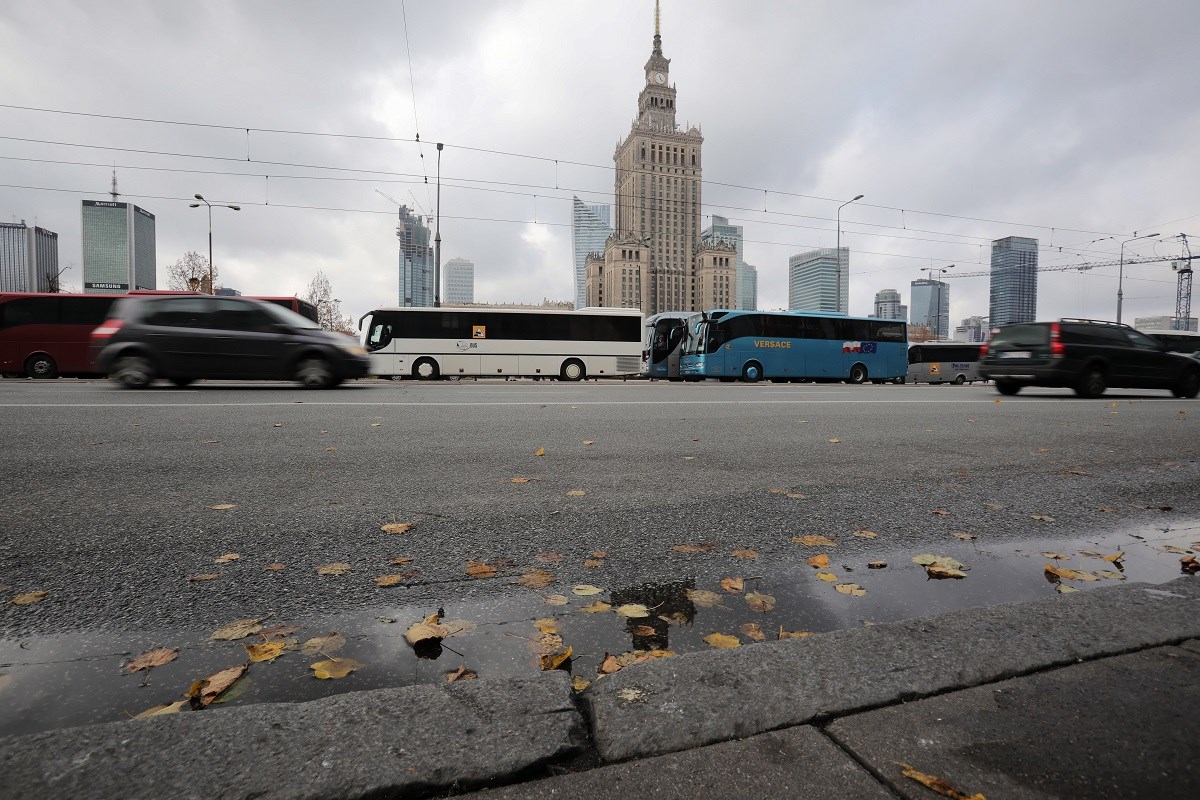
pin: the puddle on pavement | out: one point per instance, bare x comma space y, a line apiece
51, 682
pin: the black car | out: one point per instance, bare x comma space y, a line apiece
1085, 355
185, 338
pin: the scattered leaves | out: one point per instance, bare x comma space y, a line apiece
556, 600
632, 611
1069, 574
475, 569
335, 668
576, 493
733, 585
819, 561
814, 540
793, 634
541, 451
519, 479
427, 631
556, 660
1042, 517
223, 506
395, 579
751, 631
745, 554
338, 568
461, 674
546, 625
586, 590
704, 598
397, 527
722, 641
326, 645
852, 589
942, 571
937, 784
694, 548
828, 577
29, 598
863, 533
151, 659
593, 563
536, 578
267, 651
209, 689
228, 557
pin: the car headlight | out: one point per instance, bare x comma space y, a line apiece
353, 349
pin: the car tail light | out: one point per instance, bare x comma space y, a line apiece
1056, 345
983, 348
106, 330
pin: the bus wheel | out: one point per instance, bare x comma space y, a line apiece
572, 370
959, 380
41, 366
425, 369
752, 372
858, 374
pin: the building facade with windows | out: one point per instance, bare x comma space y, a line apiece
813, 280
657, 189
28, 258
590, 228
888, 305
1014, 280
972, 329
118, 247
458, 274
416, 259
1165, 323
930, 306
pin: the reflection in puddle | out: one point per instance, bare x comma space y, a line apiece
76, 679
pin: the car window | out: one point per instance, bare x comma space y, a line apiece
178, 312
1021, 336
290, 318
1142, 341
236, 315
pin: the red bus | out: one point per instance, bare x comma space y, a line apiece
47, 335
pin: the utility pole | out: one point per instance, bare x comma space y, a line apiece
437, 236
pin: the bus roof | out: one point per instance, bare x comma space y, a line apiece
718, 313
617, 312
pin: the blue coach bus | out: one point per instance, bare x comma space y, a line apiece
794, 345
665, 333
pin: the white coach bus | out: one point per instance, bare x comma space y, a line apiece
432, 343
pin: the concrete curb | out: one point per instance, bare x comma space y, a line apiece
420, 740
682, 703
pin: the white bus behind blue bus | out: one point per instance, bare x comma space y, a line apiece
794, 345
665, 333
944, 362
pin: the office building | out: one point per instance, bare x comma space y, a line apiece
972, 329
458, 275
1014, 280
930, 306
28, 258
590, 228
118, 247
813, 280
747, 287
888, 305
657, 206
1168, 323
416, 259
747, 276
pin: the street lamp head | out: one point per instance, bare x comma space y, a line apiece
235, 208
193, 205
199, 197
859, 197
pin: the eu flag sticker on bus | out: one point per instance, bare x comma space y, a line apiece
478, 331
869, 347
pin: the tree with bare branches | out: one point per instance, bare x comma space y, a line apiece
192, 267
329, 308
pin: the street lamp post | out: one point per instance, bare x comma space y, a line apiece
437, 237
937, 311
838, 251
212, 289
1121, 272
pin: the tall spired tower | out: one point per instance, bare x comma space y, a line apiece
651, 260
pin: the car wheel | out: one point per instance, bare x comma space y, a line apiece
41, 366
1091, 383
572, 370
959, 380
314, 373
1188, 385
132, 372
1007, 388
182, 382
858, 374
425, 369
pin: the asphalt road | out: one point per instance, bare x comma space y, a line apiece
108, 494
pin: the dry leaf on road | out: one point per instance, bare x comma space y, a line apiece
876, 565
427, 631
579, 683
384, 581
548, 558
477, 569
935, 783
556, 600
541, 451
536, 578
793, 634
214, 685
461, 674
598, 607
733, 585
761, 603
225, 559
586, 590
267, 651
326, 645
632, 611
338, 568
852, 589
820, 561
694, 548
397, 527
745, 554
223, 506
1042, 517
722, 641
151, 659
704, 598
238, 629
815, 540
863, 533
828, 577
751, 631
576, 493
335, 668
553, 661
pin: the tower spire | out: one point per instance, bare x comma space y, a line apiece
113, 191
657, 29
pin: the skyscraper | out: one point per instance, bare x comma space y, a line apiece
747, 277
1014, 280
813, 279
930, 302
888, 305
590, 229
28, 258
118, 247
657, 187
416, 260
747, 287
459, 276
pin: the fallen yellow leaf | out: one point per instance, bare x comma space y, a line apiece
862, 533
556, 600
815, 540
223, 506
267, 651
745, 554
397, 527
793, 634
722, 640
479, 570
541, 451
704, 598
851, 589
819, 561
1042, 517
586, 590
225, 559
333, 569
579, 683
384, 581
326, 645
761, 603
943, 571
694, 548
576, 493
835, 441
632, 610
519, 479
214, 685
556, 660
828, 577
546, 625
166, 708
239, 629
151, 659
751, 631
335, 668
427, 630
937, 784
598, 607
733, 585
536, 578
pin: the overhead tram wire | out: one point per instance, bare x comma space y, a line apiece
549, 160
413, 93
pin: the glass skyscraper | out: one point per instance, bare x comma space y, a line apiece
590, 229
747, 277
28, 258
812, 280
1014, 281
459, 281
118, 247
888, 305
930, 306
416, 260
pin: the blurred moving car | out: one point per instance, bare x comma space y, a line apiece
186, 338
1085, 355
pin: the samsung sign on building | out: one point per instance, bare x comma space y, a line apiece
121, 286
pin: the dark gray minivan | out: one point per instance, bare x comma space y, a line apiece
184, 338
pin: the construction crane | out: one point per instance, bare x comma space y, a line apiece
1082, 267
1183, 292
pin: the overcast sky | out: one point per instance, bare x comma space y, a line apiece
1064, 121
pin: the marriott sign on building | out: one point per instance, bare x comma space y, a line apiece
656, 259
